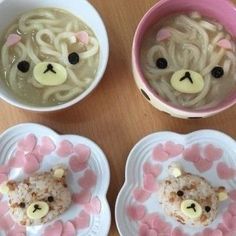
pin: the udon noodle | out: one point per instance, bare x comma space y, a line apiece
188, 44
65, 43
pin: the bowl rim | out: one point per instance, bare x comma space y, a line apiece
102, 68
137, 67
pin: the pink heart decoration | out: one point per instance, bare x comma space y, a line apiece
83, 37
82, 198
173, 149
4, 208
17, 230
149, 183
6, 223
224, 43
163, 34
89, 180
178, 232
83, 152
232, 209
4, 169
82, 221
192, 154
28, 143
161, 226
13, 39
69, 229
3, 178
94, 207
144, 230
36, 152
65, 148
141, 195
148, 168
232, 195
224, 230
31, 164
229, 221
212, 153
54, 229
136, 212
159, 154
149, 219
225, 172
212, 232
203, 165
76, 165
17, 159
47, 146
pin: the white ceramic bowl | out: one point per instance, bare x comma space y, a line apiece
10, 9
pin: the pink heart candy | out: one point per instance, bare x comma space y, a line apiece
212, 153
224, 43
3, 178
173, 149
47, 146
82, 198
68, 229
4, 169
150, 219
94, 206
178, 232
136, 212
37, 153
144, 230
141, 195
82, 221
163, 34
54, 229
4, 208
225, 172
28, 143
161, 226
148, 168
232, 195
65, 148
192, 154
150, 183
203, 165
229, 221
159, 154
224, 230
6, 223
31, 164
83, 37
17, 159
13, 39
89, 180
76, 165
83, 152
232, 209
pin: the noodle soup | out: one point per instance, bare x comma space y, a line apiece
189, 61
48, 57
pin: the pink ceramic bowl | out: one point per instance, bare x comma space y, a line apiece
222, 11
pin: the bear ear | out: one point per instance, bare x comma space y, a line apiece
175, 169
222, 194
59, 172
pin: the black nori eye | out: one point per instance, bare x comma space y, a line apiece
23, 66
180, 193
207, 209
161, 63
22, 205
217, 72
50, 199
73, 58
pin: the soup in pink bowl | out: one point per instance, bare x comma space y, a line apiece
184, 57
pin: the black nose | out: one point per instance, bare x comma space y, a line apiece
49, 68
187, 76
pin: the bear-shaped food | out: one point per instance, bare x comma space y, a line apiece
39, 198
189, 198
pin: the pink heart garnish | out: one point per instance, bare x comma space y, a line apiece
31, 164
83, 197
192, 154
36, 152
224, 230
4, 169
17, 230
141, 195
47, 146
173, 149
144, 230
28, 143
83, 152
65, 148
163, 34
229, 221
54, 229
83, 37
94, 207
212, 153
17, 159
76, 164
3, 178
69, 229
13, 39
150, 183
4, 208
224, 43
136, 212
203, 165
148, 168
89, 180
6, 222
178, 232
82, 221
232, 209
232, 195
161, 226
225, 172
159, 154
149, 219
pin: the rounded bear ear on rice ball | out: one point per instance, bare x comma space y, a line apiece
4, 189
222, 193
59, 172
175, 169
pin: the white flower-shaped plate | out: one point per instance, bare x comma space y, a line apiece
207, 153
29, 148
